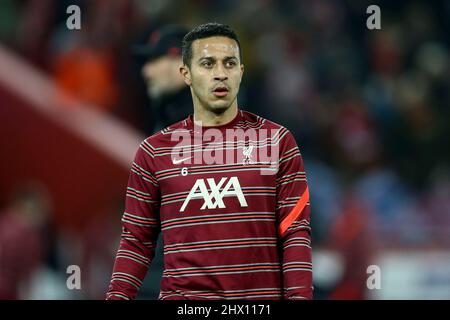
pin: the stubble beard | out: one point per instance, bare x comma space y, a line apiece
216, 109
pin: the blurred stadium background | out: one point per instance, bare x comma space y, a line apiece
370, 110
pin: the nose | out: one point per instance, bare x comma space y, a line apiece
219, 73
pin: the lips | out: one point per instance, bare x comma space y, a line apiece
220, 91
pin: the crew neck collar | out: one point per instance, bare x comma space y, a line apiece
238, 117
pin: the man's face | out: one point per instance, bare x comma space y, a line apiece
162, 75
215, 72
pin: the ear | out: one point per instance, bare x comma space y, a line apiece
186, 74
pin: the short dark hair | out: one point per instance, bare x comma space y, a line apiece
206, 30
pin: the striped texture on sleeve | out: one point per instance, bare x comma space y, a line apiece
140, 229
293, 214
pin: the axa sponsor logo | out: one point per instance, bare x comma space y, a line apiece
214, 199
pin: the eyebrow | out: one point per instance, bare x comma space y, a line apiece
214, 59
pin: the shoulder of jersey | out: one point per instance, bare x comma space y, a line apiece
163, 136
251, 120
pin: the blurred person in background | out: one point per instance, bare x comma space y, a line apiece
84, 63
170, 101
352, 237
22, 243
170, 96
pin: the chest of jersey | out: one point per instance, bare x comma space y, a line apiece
196, 184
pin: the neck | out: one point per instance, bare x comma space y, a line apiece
209, 118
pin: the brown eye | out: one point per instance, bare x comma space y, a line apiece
207, 64
230, 64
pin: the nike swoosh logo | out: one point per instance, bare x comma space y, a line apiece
177, 161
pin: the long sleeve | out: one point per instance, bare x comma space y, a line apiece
140, 229
293, 214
